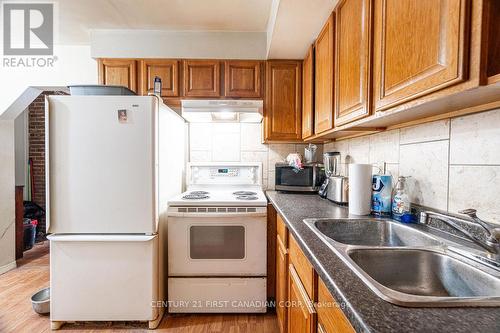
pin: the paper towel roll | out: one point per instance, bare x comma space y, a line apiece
360, 189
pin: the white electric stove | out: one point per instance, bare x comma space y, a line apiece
217, 240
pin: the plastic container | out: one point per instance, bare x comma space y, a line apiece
29, 228
401, 202
381, 195
96, 89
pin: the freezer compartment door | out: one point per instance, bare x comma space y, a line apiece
105, 279
101, 164
224, 295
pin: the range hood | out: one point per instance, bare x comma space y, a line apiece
219, 110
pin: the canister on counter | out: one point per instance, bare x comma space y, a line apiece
381, 194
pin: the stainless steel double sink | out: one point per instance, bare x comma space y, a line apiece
407, 266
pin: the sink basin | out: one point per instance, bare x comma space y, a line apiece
373, 232
407, 266
426, 273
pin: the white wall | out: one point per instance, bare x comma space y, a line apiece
235, 142
73, 65
21, 147
454, 163
7, 197
177, 44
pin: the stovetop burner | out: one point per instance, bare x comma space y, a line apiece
245, 193
247, 197
195, 196
198, 192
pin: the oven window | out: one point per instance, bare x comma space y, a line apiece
288, 176
217, 242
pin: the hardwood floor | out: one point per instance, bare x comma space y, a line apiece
32, 274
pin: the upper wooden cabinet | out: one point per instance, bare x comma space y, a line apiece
282, 109
167, 70
353, 31
491, 42
323, 78
308, 94
201, 78
242, 78
121, 72
419, 47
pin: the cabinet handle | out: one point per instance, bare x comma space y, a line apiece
281, 245
321, 329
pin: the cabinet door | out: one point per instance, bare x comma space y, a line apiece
281, 284
302, 267
301, 313
323, 77
353, 19
491, 42
419, 47
308, 94
242, 79
118, 72
331, 319
167, 70
282, 112
201, 78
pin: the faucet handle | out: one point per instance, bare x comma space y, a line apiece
471, 212
424, 218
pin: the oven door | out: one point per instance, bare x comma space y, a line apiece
217, 246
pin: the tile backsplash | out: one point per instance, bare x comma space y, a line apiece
453, 163
238, 142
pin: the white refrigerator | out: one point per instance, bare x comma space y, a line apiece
112, 163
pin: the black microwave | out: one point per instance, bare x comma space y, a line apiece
307, 179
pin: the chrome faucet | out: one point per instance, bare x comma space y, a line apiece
492, 243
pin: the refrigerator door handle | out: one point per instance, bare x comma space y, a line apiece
100, 238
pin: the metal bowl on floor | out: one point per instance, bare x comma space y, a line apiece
41, 301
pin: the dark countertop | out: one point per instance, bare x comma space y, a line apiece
365, 310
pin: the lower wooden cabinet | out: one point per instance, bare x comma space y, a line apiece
303, 267
303, 302
331, 319
281, 284
301, 312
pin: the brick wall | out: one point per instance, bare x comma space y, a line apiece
36, 134
36, 138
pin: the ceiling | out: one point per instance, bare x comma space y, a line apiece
77, 17
291, 25
297, 24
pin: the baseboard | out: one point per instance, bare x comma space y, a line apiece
7, 267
